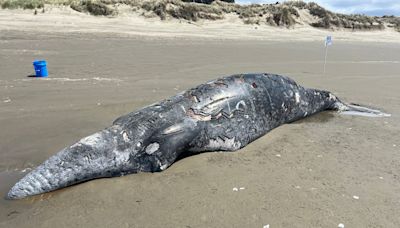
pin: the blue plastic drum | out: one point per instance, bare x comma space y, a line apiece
40, 68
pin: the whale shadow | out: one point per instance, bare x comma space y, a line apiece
321, 117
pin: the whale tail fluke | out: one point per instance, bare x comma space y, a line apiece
358, 110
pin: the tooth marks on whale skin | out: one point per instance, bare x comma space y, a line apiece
174, 129
212, 105
198, 116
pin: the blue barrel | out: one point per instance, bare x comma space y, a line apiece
40, 68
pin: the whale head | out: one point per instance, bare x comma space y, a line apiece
110, 152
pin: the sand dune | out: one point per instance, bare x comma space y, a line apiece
60, 20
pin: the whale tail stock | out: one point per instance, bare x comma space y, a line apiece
332, 102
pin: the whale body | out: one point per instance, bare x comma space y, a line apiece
221, 115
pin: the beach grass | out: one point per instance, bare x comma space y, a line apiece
286, 14
24, 4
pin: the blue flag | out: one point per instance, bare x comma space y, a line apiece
328, 41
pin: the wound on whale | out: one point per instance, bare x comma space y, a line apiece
221, 115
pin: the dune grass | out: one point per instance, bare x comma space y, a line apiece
286, 14
96, 8
328, 19
393, 22
25, 4
181, 10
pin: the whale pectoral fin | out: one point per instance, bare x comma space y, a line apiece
170, 143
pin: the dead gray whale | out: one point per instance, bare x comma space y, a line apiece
222, 115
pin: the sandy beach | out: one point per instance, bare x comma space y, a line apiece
318, 172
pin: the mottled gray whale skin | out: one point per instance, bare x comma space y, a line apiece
222, 115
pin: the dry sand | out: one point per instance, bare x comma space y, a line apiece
318, 172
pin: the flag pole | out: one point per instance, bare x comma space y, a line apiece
326, 55
328, 41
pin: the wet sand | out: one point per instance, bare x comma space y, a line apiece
305, 174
